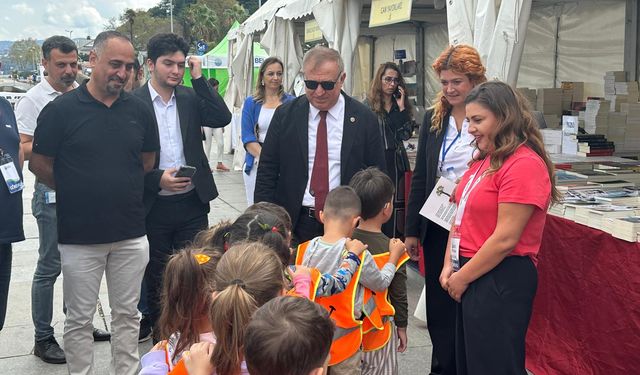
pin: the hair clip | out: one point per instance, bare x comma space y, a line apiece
263, 226
274, 229
238, 282
201, 258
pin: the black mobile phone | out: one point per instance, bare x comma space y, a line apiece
396, 94
186, 171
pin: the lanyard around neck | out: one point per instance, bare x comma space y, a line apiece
471, 184
445, 149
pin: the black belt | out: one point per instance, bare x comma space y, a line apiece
308, 211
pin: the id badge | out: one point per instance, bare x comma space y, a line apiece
10, 174
50, 197
455, 250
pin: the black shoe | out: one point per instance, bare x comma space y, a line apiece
49, 351
145, 330
100, 335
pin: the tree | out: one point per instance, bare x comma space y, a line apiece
25, 52
204, 22
144, 27
250, 5
129, 17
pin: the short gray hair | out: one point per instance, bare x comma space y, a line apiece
320, 54
101, 40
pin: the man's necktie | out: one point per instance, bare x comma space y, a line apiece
319, 186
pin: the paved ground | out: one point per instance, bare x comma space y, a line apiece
16, 339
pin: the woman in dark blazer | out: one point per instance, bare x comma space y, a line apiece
444, 150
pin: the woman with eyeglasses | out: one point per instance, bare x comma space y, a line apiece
257, 112
444, 150
387, 98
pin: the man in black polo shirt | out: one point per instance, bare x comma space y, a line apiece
94, 145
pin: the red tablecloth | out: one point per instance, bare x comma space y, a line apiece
586, 315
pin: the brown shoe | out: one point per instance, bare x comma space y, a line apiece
222, 168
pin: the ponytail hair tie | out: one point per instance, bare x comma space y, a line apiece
238, 282
274, 229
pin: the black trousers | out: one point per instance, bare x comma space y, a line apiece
172, 223
5, 278
441, 308
306, 228
493, 317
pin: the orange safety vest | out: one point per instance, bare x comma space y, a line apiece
347, 337
377, 324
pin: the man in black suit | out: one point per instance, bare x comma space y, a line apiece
316, 143
177, 207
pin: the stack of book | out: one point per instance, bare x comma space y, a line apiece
630, 89
596, 116
530, 94
597, 214
594, 145
610, 79
625, 228
550, 101
576, 88
552, 139
632, 128
617, 122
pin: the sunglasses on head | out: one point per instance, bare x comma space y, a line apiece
326, 85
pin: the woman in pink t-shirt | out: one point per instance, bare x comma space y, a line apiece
489, 266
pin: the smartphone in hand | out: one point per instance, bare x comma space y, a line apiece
396, 94
186, 171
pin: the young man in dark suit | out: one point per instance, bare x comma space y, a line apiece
316, 143
177, 207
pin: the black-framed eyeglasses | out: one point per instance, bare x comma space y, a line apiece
389, 80
326, 85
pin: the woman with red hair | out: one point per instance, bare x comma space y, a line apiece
444, 150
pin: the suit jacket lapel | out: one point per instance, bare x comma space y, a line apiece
302, 126
183, 113
145, 94
349, 132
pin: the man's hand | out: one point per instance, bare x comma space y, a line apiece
402, 337
411, 243
195, 67
355, 246
170, 183
197, 360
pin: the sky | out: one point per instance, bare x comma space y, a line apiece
41, 19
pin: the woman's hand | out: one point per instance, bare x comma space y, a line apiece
400, 100
456, 286
447, 270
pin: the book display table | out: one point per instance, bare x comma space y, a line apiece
586, 314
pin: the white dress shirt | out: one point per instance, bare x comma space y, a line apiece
460, 152
29, 107
171, 148
335, 120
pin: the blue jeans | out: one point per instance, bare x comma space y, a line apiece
48, 267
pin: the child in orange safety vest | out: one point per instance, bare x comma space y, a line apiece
340, 216
382, 332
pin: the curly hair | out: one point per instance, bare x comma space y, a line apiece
516, 126
374, 96
460, 59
